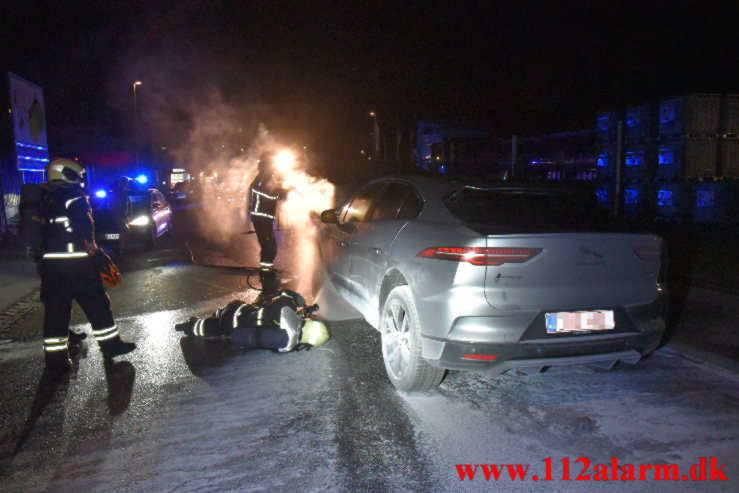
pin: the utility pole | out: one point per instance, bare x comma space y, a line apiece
375, 135
619, 192
136, 126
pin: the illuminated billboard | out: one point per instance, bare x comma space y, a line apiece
29, 124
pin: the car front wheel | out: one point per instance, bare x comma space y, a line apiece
151, 238
401, 344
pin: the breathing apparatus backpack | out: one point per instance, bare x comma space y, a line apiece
33, 208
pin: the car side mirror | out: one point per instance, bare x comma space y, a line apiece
329, 216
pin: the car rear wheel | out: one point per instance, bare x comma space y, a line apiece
401, 344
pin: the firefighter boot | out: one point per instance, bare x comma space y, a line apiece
270, 284
186, 327
58, 361
115, 347
75, 339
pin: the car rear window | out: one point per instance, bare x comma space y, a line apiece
501, 211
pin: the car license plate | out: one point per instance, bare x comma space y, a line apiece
111, 236
579, 321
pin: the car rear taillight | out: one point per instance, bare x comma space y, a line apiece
481, 255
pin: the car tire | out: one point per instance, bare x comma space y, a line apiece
401, 345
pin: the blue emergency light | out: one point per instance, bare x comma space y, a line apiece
142, 179
101, 194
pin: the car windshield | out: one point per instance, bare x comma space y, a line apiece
138, 195
139, 201
520, 210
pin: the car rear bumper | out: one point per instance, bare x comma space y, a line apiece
497, 358
507, 343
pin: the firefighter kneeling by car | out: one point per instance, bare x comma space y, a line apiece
281, 323
58, 230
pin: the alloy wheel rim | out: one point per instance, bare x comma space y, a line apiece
396, 339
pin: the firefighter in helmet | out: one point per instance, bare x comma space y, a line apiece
264, 193
280, 323
67, 268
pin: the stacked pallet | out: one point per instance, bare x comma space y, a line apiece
679, 158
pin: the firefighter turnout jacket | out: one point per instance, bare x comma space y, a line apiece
263, 195
68, 222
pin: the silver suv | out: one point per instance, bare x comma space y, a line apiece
493, 276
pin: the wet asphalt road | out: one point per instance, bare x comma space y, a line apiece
182, 415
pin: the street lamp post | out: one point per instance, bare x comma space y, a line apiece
136, 125
375, 134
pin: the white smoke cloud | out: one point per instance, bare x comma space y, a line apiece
211, 118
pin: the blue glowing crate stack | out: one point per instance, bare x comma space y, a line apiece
680, 158
689, 116
638, 154
607, 128
605, 192
639, 162
715, 201
639, 201
686, 159
673, 202
640, 130
606, 163
688, 134
688, 142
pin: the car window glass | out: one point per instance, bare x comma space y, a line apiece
360, 204
411, 207
529, 210
388, 204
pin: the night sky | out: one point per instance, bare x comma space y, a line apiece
311, 71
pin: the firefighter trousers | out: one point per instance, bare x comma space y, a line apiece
268, 252
67, 280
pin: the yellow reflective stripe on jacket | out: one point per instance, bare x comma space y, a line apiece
263, 214
69, 202
235, 320
66, 255
273, 197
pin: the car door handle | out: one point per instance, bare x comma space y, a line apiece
376, 250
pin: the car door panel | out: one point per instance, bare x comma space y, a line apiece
372, 242
339, 238
370, 247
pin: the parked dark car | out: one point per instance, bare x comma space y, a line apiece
461, 275
151, 218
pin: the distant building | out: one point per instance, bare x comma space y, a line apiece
445, 148
556, 156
